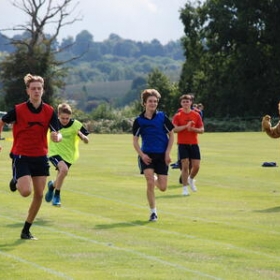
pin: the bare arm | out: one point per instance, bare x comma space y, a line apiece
1, 126
83, 137
1, 129
189, 127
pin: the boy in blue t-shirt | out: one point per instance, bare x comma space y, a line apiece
156, 131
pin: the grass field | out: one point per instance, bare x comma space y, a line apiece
229, 229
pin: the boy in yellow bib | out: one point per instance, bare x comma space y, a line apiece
64, 155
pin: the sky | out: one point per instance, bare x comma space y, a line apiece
138, 20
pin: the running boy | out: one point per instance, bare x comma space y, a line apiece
188, 124
31, 121
63, 154
156, 131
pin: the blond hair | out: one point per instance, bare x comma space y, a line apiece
64, 108
30, 78
147, 93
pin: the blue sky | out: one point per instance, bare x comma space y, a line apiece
138, 20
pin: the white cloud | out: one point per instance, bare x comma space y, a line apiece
140, 20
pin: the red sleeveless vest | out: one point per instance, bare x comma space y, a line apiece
30, 130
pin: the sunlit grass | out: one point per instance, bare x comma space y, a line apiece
229, 229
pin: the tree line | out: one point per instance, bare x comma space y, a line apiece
231, 59
232, 50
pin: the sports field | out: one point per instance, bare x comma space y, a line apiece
229, 229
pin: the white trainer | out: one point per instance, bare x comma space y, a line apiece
192, 184
185, 191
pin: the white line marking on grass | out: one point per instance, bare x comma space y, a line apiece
106, 244
48, 270
145, 256
183, 235
175, 214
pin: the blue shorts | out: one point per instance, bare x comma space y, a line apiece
188, 151
158, 164
32, 166
56, 159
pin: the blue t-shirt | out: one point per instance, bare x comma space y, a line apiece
153, 132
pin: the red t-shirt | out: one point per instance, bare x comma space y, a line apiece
185, 136
30, 130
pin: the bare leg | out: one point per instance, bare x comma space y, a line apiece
185, 171
24, 185
195, 163
61, 174
149, 175
39, 183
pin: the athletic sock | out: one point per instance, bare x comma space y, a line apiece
26, 227
57, 192
153, 210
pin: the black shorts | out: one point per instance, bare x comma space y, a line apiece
32, 166
56, 159
188, 151
158, 164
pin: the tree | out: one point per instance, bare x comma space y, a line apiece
83, 41
232, 51
169, 92
35, 52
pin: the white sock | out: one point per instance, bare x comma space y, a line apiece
185, 187
153, 210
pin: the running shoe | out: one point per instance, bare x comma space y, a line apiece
56, 201
13, 185
192, 185
49, 194
185, 191
153, 217
27, 235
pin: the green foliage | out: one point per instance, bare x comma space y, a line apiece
232, 124
103, 111
15, 66
233, 61
96, 71
169, 92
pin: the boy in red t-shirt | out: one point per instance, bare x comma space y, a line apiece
188, 124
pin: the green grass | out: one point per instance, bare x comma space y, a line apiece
229, 229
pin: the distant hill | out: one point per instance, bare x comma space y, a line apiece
110, 90
105, 71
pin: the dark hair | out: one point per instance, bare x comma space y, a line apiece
186, 96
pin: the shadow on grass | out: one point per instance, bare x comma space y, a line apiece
172, 187
170, 196
269, 210
10, 246
39, 222
122, 225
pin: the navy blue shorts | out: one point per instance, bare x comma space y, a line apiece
158, 164
56, 159
188, 151
32, 166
